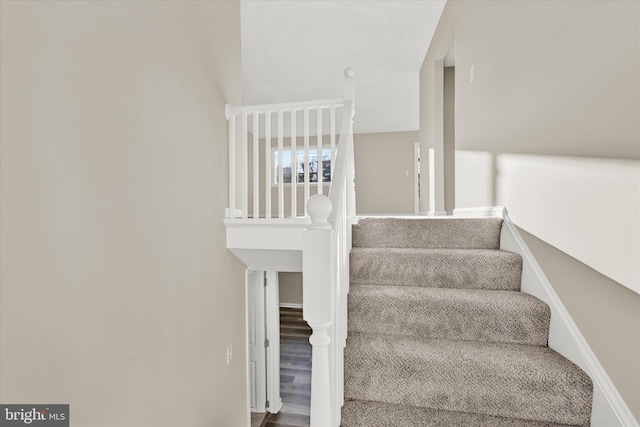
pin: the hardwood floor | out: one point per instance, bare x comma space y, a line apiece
295, 371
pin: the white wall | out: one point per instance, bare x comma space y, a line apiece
117, 293
597, 217
591, 297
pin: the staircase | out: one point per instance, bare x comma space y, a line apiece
439, 333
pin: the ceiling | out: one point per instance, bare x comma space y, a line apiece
298, 50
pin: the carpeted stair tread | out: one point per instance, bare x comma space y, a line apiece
506, 380
463, 314
359, 413
467, 233
438, 268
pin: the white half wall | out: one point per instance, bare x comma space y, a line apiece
586, 207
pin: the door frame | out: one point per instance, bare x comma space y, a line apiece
269, 322
272, 315
256, 318
416, 177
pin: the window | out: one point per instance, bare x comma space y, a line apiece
299, 165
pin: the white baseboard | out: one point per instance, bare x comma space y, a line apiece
290, 305
276, 408
237, 213
609, 408
490, 211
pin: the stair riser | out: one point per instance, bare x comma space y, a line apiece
428, 233
439, 333
521, 319
510, 383
360, 413
485, 270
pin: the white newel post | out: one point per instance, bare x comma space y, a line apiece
318, 305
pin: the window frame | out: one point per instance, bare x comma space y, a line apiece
287, 149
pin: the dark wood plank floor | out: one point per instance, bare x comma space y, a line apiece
295, 371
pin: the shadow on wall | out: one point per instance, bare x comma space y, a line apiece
607, 314
583, 206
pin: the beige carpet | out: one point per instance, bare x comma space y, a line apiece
440, 334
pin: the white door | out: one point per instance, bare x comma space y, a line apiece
257, 352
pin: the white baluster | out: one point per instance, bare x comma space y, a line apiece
333, 139
245, 168
294, 164
319, 144
268, 171
256, 168
280, 166
232, 160
306, 159
350, 95
318, 306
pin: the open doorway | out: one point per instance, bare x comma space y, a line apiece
295, 354
279, 373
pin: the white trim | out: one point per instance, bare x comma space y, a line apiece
322, 103
246, 347
431, 158
271, 222
489, 211
416, 177
255, 278
308, 154
290, 305
272, 315
609, 408
237, 213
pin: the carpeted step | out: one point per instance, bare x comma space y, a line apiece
467, 233
463, 314
359, 413
506, 380
437, 268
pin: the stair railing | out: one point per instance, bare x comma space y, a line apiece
279, 156
325, 261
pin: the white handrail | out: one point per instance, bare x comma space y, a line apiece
327, 241
324, 103
325, 259
342, 172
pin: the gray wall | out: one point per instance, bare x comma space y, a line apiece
118, 295
384, 172
591, 297
290, 287
549, 128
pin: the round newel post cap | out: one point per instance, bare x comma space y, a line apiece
349, 73
319, 208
